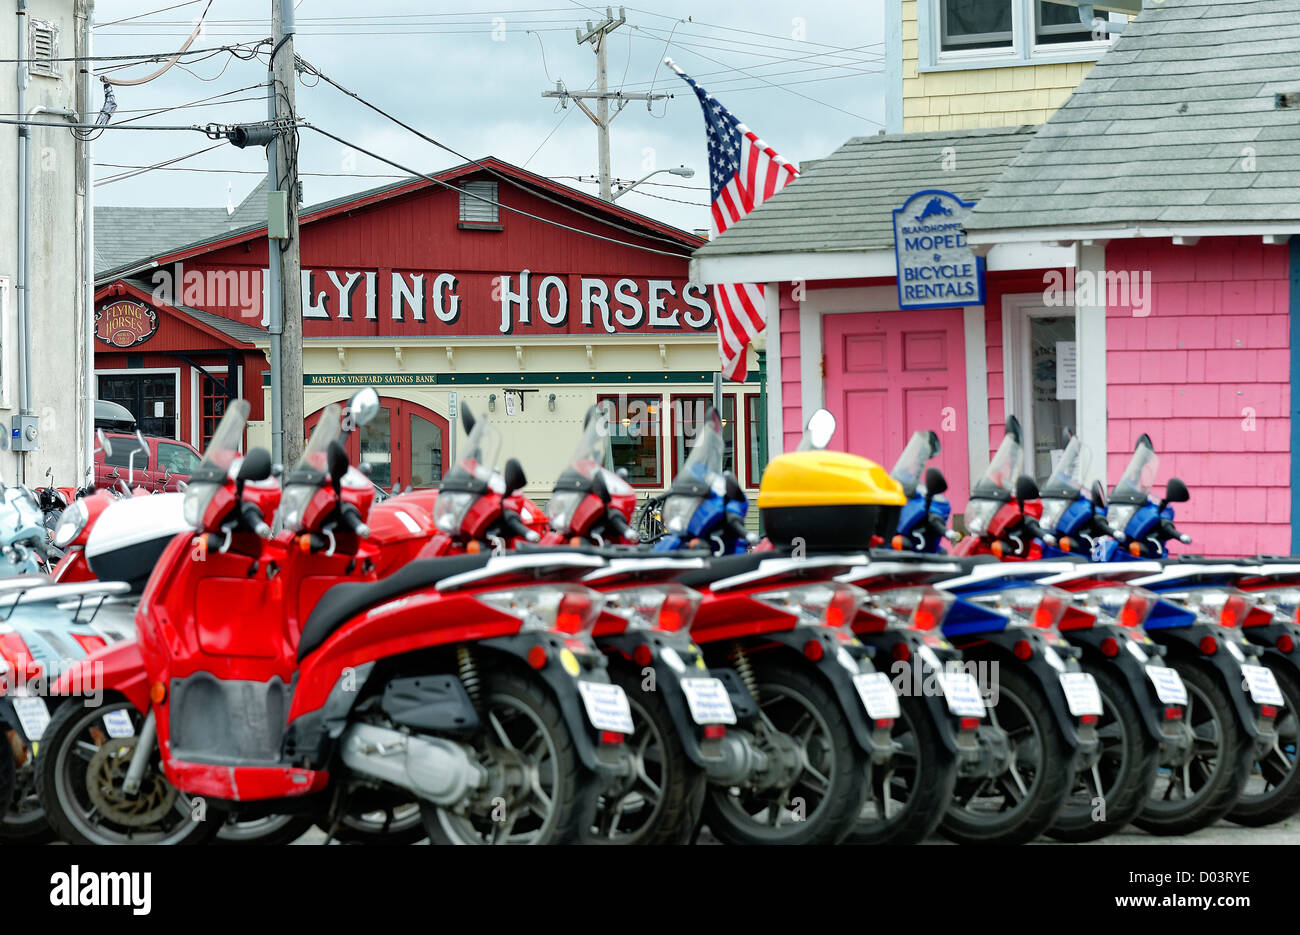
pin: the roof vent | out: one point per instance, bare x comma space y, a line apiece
478, 203
43, 48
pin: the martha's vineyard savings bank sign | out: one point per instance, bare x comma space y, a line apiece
936, 267
441, 304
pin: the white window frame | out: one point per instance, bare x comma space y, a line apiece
134, 371
196, 399
1024, 48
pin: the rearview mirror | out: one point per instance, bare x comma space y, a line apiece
1176, 491
466, 418
514, 476
336, 459
1098, 496
363, 406
935, 482
255, 466
1013, 427
600, 488
821, 428
1026, 489
734, 490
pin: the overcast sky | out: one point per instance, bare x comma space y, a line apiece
805, 77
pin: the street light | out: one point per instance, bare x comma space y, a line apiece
684, 172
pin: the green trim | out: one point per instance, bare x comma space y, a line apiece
572, 378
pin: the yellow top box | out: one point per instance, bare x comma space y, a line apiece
826, 478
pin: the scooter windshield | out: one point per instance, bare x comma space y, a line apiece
592, 452
1135, 483
307, 476
911, 463
1067, 479
473, 475
998, 478
590, 457
221, 454
704, 465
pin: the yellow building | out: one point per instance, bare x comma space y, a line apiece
965, 64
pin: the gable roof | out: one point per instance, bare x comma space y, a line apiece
844, 201
218, 237
1158, 131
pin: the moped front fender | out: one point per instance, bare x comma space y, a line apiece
118, 667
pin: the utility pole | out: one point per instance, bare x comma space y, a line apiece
595, 35
283, 245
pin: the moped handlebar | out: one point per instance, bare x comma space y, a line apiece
514, 524
350, 516
253, 519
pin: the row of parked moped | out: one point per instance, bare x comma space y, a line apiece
273, 650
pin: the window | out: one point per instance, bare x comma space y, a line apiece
474, 210
122, 446
634, 437
688, 416
426, 452
377, 447
993, 33
755, 425
975, 24
43, 48
213, 407
176, 458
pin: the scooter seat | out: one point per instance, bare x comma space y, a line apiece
725, 567
344, 601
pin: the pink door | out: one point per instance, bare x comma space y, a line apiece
889, 374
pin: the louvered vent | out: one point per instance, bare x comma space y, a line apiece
474, 210
43, 49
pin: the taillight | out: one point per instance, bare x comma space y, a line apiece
1078, 618
1267, 711
1110, 647
1274, 605
1037, 606
1121, 604
1225, 606
1173, 713
1285, 643
1209, 645
567, 608
921, 608
829, 603
574, 613
665, 606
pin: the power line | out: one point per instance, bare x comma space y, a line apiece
143, 58
127, 19
140, 170
466, 193
312, 69
169, 168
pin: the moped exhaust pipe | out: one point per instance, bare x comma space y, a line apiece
442, 771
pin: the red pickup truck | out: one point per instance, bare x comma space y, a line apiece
160, 465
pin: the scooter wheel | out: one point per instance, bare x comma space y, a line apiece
661, 803
79, 774
269, 830
378, 817
24, 820
1021, 803
1196, 794
909, 794
522, 723
8, 772
822, 803
1272, 793
1108, 796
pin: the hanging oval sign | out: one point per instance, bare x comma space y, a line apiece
125, 323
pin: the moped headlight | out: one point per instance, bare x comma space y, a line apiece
559, 511
678, 510
70, 524
979, 513
1119, 514
450, 508
1053, 509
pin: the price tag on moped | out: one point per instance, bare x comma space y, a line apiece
1262, 685
877, 694
33, 715
607, 706
1081, 693
1168, 683
708, 701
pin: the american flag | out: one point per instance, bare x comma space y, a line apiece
743, 173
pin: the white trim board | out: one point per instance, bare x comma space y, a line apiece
977, 390
775, 391
1028, 253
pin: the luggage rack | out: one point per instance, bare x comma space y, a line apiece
14, 593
